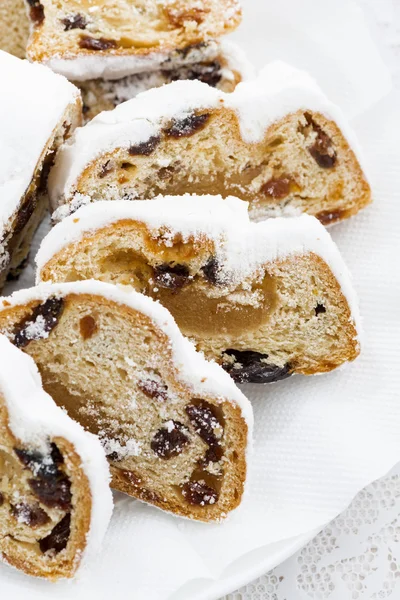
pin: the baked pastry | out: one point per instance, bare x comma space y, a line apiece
14, 27
222, 65
276, 142
121, 37
55, 500
219, 64
32, 125
175, 427
263, 299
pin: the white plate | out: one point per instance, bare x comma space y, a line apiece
249, 567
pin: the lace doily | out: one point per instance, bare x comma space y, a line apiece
356, 557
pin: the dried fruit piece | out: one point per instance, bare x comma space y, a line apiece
277, 187
327, 217
170, 440
187, 126
252, 367
31, 515
87, 327
39, 324
322, 149
178, 17
207, 425
54, 492
145, 148
74, 22
153, 389
210, 271
44, 467
57, 540
36, 11
171, 277
198, 493
1, 499
88, 43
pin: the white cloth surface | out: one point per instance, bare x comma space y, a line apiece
318, 440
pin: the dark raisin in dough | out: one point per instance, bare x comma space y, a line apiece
277, 188
170, 440
31, 515
57, 540
54, 492
251, 367
74, 22
153, 389
187, 126
198, 493
145, 148
50, 312
171, 277
89, 43
211, 270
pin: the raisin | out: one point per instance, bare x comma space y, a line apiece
88, 43
113, 456
210, 271
277, 187
198, 493
1, 499
36, 11
57, 540
187, 126
25, 212
251, 367
171, 277
87, 327
329, 217
44, 467
74, 22
320, 309
49, 314
170, 440
145, 148
204, 421
31, 515
54, 493
153, 389
322, 149
56, 455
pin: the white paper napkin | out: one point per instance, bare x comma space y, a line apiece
318, 440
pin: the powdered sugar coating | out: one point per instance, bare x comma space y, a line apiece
278, 91
35, 419
204, 377
32, 104
242, 246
